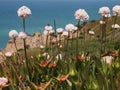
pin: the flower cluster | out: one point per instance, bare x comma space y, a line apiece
60, 30
70, 28
48, 30
24, 12
13, 34
81, 15
116, 10
115, 26
3, 81
91, 32
22, 35
104, 11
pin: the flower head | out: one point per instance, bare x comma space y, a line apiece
70, 27
104, 11
115, 26
91, 32
8, 54
48, 27
3, 81
13, 34
22, 35
51, 32
81, 15
60, 30
102, 22
116, 10
46, 55
42, 46
24, 12
65, 33
108, 59
59, 56
63, 77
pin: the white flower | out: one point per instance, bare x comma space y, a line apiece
104, 11
102, 22
3, 81
59, 56
70, 27
24, 12
51, 32
60, 30
115, 26
13, 34
46, 55
81, 15
42, 46
22, 35
8, 54
48, 27
108, 59
65, 33
91, 32
46, 32
116, 10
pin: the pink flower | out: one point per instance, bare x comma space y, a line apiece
22, 35
104, 11
3, 81
24, 12
13, 34
60, 30
116, 10
81, 15
48, 27
70, 27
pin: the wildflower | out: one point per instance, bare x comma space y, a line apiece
104, 11
3, 81
60, 30
52, 64
81, 15
63, 77
22, 35
44, 64
59, 56
116, 10
13, 34
70, 27
81, 57
91, 32
42, 47
24, 12
102, 22
48, 27
115, 26
51, 32
8, 54
46, 55
65, 34
108, 59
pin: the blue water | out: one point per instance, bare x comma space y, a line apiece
44, 12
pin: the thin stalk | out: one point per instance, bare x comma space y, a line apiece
17, 51
114, 29
77, 39
25, 52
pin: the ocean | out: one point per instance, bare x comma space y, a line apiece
44, 12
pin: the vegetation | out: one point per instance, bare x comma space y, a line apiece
65, 69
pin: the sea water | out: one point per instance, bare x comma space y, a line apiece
44, 12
